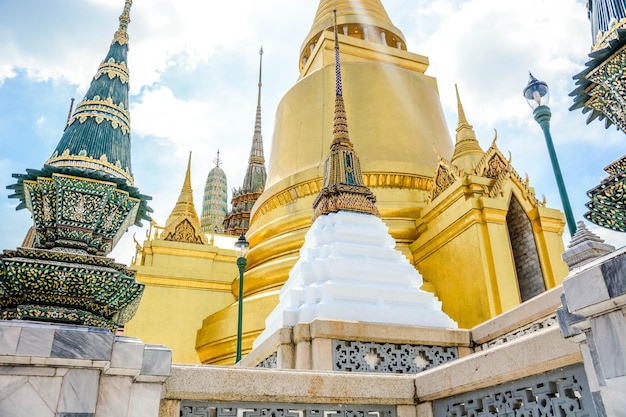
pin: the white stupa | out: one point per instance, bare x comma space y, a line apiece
349, 268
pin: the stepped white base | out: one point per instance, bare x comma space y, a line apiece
349, 269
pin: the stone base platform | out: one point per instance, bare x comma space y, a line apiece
52, 370
338, 345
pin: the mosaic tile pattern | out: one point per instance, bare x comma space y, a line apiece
67, 288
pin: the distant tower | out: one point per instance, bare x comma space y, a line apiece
601, 92
238, 220
215, 201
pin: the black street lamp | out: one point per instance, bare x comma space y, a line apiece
537, 95
241, 246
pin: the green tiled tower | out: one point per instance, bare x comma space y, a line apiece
82, 201
215, 201
601, 92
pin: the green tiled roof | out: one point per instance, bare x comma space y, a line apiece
580, 93
98, 133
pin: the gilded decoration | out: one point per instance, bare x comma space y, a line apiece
184, 232
121, 36
607, 207
603, 40
445, 175
78, 213
370, 180
103, 109
62, 287
112, 69
600, 86
492, 165
608, 92
67, 160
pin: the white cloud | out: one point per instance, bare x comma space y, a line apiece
488, 46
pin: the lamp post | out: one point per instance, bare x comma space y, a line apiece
537, 95
241, 247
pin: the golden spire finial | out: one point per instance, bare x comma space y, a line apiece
121, 36
467, 151
462, 118
343, 187
183, 224
187, 183
260, 74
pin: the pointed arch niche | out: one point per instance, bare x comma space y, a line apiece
530, 277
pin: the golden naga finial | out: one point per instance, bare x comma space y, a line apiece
495, 137
121, 36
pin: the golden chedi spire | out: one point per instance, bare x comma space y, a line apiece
467, 151
362, 19
343, 187
183, 224
396, 116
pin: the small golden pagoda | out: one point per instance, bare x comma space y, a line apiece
485, 242
186, 278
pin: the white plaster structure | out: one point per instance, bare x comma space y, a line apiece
349, 269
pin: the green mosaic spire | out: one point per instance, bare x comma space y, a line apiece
97, 135
215, 201
82, 201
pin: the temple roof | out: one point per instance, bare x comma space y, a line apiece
97, 135
343, 186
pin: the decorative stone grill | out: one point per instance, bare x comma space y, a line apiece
560, 393
205, 409
354, 356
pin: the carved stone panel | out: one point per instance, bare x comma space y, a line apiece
559, 393
354, 356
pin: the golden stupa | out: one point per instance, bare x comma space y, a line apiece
466, 220
396, 119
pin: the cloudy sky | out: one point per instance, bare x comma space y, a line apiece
194, 68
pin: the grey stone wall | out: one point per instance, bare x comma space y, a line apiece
527, 266
51, 370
